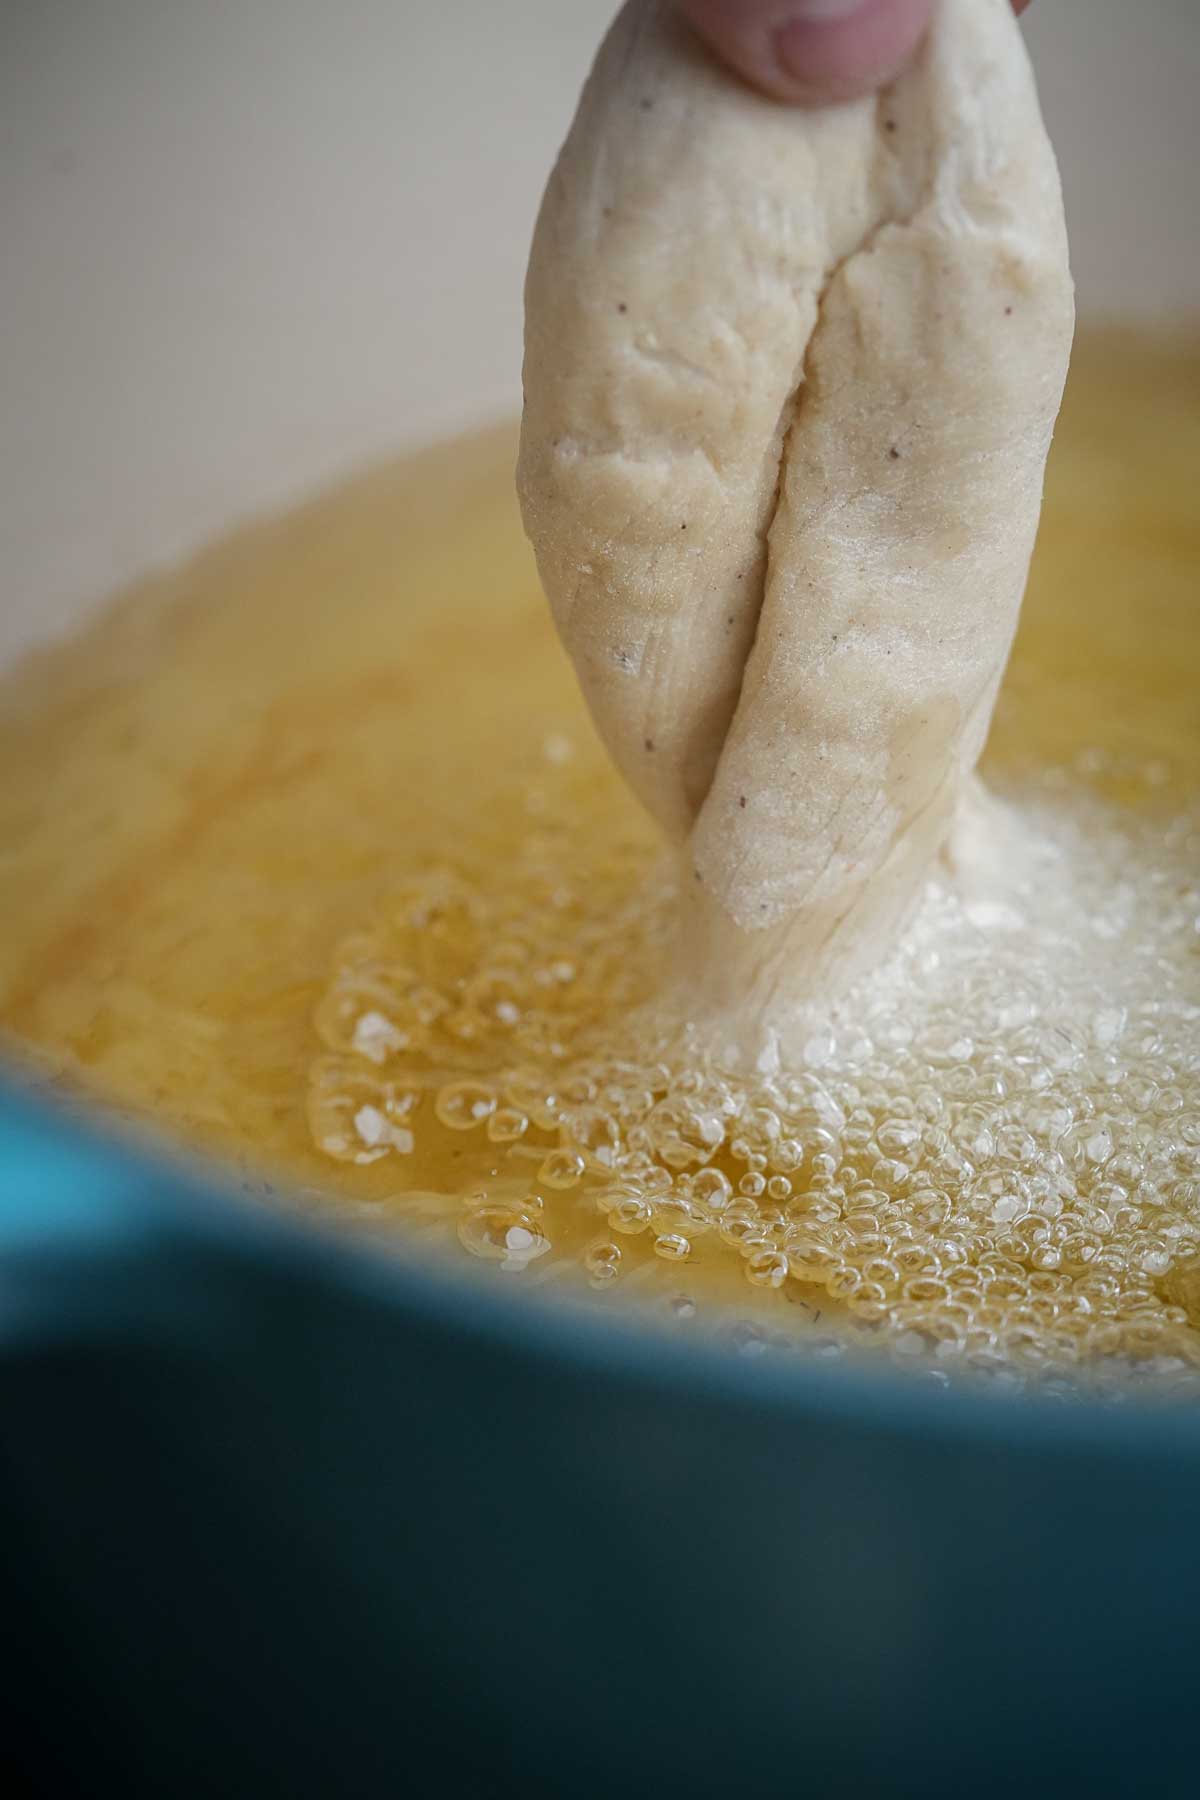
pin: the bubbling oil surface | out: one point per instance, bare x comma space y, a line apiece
312, 855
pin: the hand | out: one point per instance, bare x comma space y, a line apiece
810, 51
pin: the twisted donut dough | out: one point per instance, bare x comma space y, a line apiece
790, 381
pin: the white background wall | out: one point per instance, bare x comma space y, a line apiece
245, 244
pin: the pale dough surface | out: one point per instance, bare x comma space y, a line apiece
790, 381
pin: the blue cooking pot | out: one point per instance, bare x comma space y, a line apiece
282, 1515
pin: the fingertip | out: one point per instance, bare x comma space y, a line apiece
841, 58
812, 51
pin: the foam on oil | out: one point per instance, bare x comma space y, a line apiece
311, 853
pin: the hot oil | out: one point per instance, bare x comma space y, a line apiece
312, 856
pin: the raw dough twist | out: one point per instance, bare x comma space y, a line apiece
790, 382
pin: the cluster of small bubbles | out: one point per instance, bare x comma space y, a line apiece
986, 1158
356, 1115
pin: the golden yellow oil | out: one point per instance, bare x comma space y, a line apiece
257, 790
